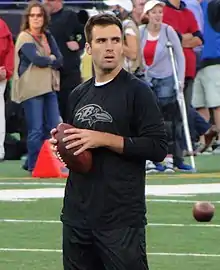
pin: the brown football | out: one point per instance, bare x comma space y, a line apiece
203, 211
81, 163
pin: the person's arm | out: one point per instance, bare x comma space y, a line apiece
194, 37
75, 38
192, 40
30, 51
57, 63
9, 57
178, 53
130, 48
149, 141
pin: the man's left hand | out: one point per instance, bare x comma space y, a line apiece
84, 138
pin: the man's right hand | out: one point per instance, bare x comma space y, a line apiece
53, 141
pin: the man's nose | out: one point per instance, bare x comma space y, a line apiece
109, 45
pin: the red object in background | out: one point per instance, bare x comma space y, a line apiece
6, 49
48, 165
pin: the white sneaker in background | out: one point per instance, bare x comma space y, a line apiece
168, 163
2, 156
207, 152
217, 150
150, 167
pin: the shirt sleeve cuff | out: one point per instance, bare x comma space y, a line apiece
128, 145
180, 36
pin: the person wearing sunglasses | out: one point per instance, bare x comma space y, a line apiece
36, 78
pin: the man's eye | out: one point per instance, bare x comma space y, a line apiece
101, 41
116, 40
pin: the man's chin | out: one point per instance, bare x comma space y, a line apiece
108, 70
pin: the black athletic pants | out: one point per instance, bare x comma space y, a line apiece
118, 249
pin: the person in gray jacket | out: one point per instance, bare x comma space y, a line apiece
154, 36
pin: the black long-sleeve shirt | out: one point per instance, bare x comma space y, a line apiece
112, 194
65, 27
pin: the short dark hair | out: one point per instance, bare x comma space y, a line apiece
25, 19
102, 20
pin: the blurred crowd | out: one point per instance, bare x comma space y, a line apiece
173, 45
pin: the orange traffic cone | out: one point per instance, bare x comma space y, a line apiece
48, 165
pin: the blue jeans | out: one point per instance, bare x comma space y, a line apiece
164, 90
41, 115
197, 124
166, 94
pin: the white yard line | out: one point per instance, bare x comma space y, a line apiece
184, 225
149, 224
150, 253
155, 190
177, 201
189, 189
151, 190
160, 190
183, 254
31, 184
29, 250
29, 221
39, 193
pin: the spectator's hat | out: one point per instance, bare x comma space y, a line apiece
151, 4
125, 4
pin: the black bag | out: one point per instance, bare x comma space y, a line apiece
14, 148
15, 123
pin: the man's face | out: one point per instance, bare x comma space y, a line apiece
106, 47
51, 5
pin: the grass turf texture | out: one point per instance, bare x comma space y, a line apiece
30, 231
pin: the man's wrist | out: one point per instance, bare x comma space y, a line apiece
106, 139
113, 142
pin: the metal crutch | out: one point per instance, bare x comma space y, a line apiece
182, 105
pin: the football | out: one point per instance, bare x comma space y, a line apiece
81, 163
203, 211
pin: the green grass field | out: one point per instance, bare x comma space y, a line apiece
30, 230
